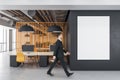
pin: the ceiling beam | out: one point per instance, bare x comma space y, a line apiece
53, 15
35, 15
41, 13
5, 23
26, 14
49, 15
67, 15
19, 14
45, 15
4, 13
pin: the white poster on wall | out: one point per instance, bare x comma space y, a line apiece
93, 38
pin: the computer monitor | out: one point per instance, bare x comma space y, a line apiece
27, 47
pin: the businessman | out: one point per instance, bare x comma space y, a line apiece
59, 55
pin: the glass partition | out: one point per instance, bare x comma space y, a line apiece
4, 38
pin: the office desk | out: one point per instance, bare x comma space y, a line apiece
43, 49
43, 57
43, 60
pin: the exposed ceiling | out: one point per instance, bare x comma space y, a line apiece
35, 15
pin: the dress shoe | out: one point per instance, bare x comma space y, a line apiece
50, 74
70, 74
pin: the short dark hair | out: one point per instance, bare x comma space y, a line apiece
58, 34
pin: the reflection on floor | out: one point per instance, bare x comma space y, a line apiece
34, 72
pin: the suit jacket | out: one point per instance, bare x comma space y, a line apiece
59, 51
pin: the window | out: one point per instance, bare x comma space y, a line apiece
4, 38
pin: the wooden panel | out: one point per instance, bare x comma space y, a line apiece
41, 38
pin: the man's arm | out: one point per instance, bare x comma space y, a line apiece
65, 51
56, 48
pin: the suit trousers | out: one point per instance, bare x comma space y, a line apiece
63, 63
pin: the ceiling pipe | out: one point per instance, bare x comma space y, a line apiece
8, 16
12, 23
5, 23
26, 13
31, 13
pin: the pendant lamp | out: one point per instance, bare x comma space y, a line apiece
54, 28
26, 28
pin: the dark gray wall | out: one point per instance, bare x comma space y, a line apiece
114, 62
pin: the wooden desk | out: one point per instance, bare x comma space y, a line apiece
43, 49
31, 53
43, 57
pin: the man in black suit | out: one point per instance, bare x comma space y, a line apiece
59, 55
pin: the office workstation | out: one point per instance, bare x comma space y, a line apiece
36, 43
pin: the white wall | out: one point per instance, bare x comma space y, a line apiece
60, 2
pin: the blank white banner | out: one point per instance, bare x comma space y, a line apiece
93, 38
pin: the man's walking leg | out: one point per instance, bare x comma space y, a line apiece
51, 67
64, 65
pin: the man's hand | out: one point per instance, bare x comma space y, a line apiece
68, 53
54, 57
